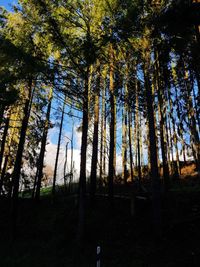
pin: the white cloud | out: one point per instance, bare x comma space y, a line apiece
118, 163
51, 150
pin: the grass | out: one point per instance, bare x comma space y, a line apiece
47, 233
189, 184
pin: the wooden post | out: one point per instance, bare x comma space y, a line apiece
98, 256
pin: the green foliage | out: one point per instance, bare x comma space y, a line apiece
56, 44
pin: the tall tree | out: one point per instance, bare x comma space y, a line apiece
111, 170
93, 177
58, 148
39, 173
19, 155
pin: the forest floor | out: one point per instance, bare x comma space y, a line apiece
47, 232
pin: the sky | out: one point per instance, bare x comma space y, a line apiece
7, 3
53, 135
66, 135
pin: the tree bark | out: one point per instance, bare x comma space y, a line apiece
58, 149
156, 197
180, 126
192, 123
103, 118
162, 112
93, 176
65, 166
2, 108
111, 171
39, 173
72, 162
105, 149
82, 179
137, 136
124, 144
3, 142
130, 143
18, 162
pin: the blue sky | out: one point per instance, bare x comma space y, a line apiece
7, 3
53, 133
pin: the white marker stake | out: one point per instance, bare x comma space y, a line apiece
98, 256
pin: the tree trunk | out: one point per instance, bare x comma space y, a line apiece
58, 149
124, 144
93, 176
194, 99
139, 160
171, 145
39, 173
18, 162
192, 123
180, 126
3, 142
135, 140
105, 149
103, 118
112, 148
163, 149
65, 166
156, 198
130, 143
82, 179
137, 136
162, 112
197, 30
72, 162
4, 172
197, 76
7, 149
175, 140
148, 149
141, 143
2, 108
